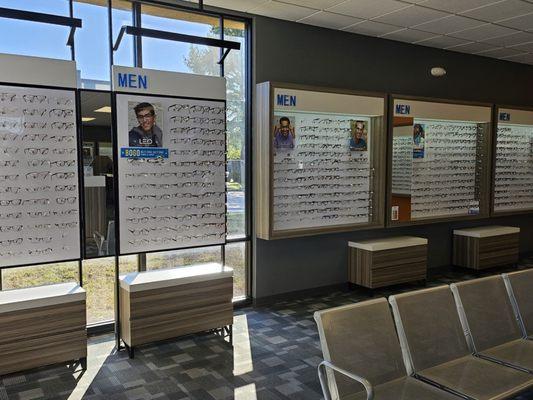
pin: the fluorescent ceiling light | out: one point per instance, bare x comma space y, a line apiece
87, 119
104, 109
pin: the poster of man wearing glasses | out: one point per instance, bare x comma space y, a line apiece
143, 125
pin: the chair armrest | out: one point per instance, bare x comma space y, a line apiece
323, 379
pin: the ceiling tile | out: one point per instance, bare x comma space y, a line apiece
371, 28
330, 20
367, 8
524, 47
501, 10
456, 6
484, 32
412, 15
238, 5
500, 53
523, 58
289, 12
317, 4
473, 47
442, 42
511, 40
524, 22
448, 24
408, 35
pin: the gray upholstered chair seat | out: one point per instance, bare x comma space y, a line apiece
518, 353
478, 378
406, 388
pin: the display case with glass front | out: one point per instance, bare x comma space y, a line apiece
440, 160
320, 153
513, 163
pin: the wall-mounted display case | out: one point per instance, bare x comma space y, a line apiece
513, 161
440, 160
320, 156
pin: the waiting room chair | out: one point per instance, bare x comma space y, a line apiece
359, 340
519, 286
489, 322
436, 351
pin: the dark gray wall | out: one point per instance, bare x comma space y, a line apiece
297, 53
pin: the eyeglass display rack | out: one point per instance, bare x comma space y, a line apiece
440, 160
172, 195
513, 161
319, 156
39, 162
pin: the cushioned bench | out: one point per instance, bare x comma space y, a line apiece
489, 323
520, 288
359, 340
42, 326
435, 348
389, 261
486, 246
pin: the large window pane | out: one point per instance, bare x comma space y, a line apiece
32, 38
176, 56
38, 275
92, 44
98, 174
99, 282
235, 73
122, 15
183, 258
236, 258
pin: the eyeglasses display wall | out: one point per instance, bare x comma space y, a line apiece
172, 170
321, 170
513, 185
439, 160
39, 196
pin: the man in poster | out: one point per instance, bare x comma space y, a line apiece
358, 139
284, 134
147, 134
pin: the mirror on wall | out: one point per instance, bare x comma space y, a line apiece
439, 160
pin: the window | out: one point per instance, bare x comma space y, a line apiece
32, 38
92, 44
92, 54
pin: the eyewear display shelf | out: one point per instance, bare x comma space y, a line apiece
177, 198
440, 161
164, 304
39, 162
319, 157
513, 161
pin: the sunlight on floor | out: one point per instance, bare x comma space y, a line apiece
96, 357
242, 352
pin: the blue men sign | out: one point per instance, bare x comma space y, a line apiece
133, 81
286, 100
505, 116
403, 109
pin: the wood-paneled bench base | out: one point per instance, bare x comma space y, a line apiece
161, 305
385, 262
486, 247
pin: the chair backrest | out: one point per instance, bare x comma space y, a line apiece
111, 238
486, 312
520, 285
428, 327
361, 339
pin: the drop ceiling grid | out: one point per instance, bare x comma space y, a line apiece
500, 29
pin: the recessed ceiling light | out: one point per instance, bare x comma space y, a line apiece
104, 109
438, 71
87, 119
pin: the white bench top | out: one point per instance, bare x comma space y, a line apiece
40, 296
139, 281
487, 231
389, 243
